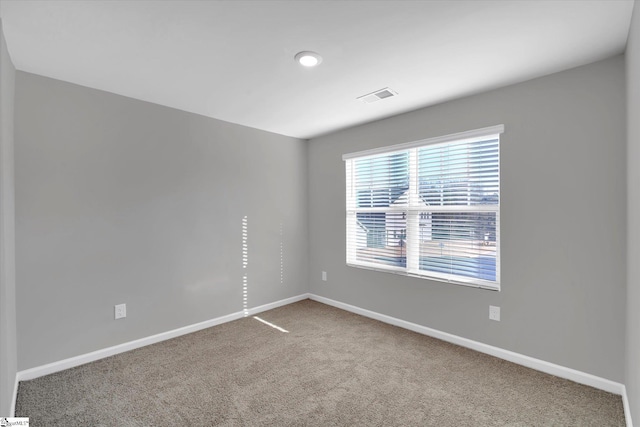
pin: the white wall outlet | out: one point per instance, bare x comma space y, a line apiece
121, 311
494, 313
324, 276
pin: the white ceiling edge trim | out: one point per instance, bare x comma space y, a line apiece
460, 136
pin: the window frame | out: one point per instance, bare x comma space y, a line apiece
414, 209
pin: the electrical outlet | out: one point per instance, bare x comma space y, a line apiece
121, 311
494, 313
324, 276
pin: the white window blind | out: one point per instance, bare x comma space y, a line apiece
429, 208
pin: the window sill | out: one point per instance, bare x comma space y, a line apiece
480, 284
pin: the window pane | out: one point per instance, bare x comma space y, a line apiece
382, 181
461, 243
459, 174
380, 237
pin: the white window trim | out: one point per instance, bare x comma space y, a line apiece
467, 136
412, 269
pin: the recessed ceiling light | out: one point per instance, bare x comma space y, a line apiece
308, 59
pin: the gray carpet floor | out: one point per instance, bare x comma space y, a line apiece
333, 368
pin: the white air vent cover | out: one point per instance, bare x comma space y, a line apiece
377, 95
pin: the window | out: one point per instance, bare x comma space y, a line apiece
429, 208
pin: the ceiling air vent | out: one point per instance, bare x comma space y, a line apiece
377, 95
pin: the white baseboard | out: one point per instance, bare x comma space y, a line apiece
520, 359
627, 408
12, 409
61, 365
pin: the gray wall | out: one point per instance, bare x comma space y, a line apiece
633, 215
122, 201
563, 216
7, 233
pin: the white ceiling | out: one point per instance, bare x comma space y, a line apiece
233, 60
